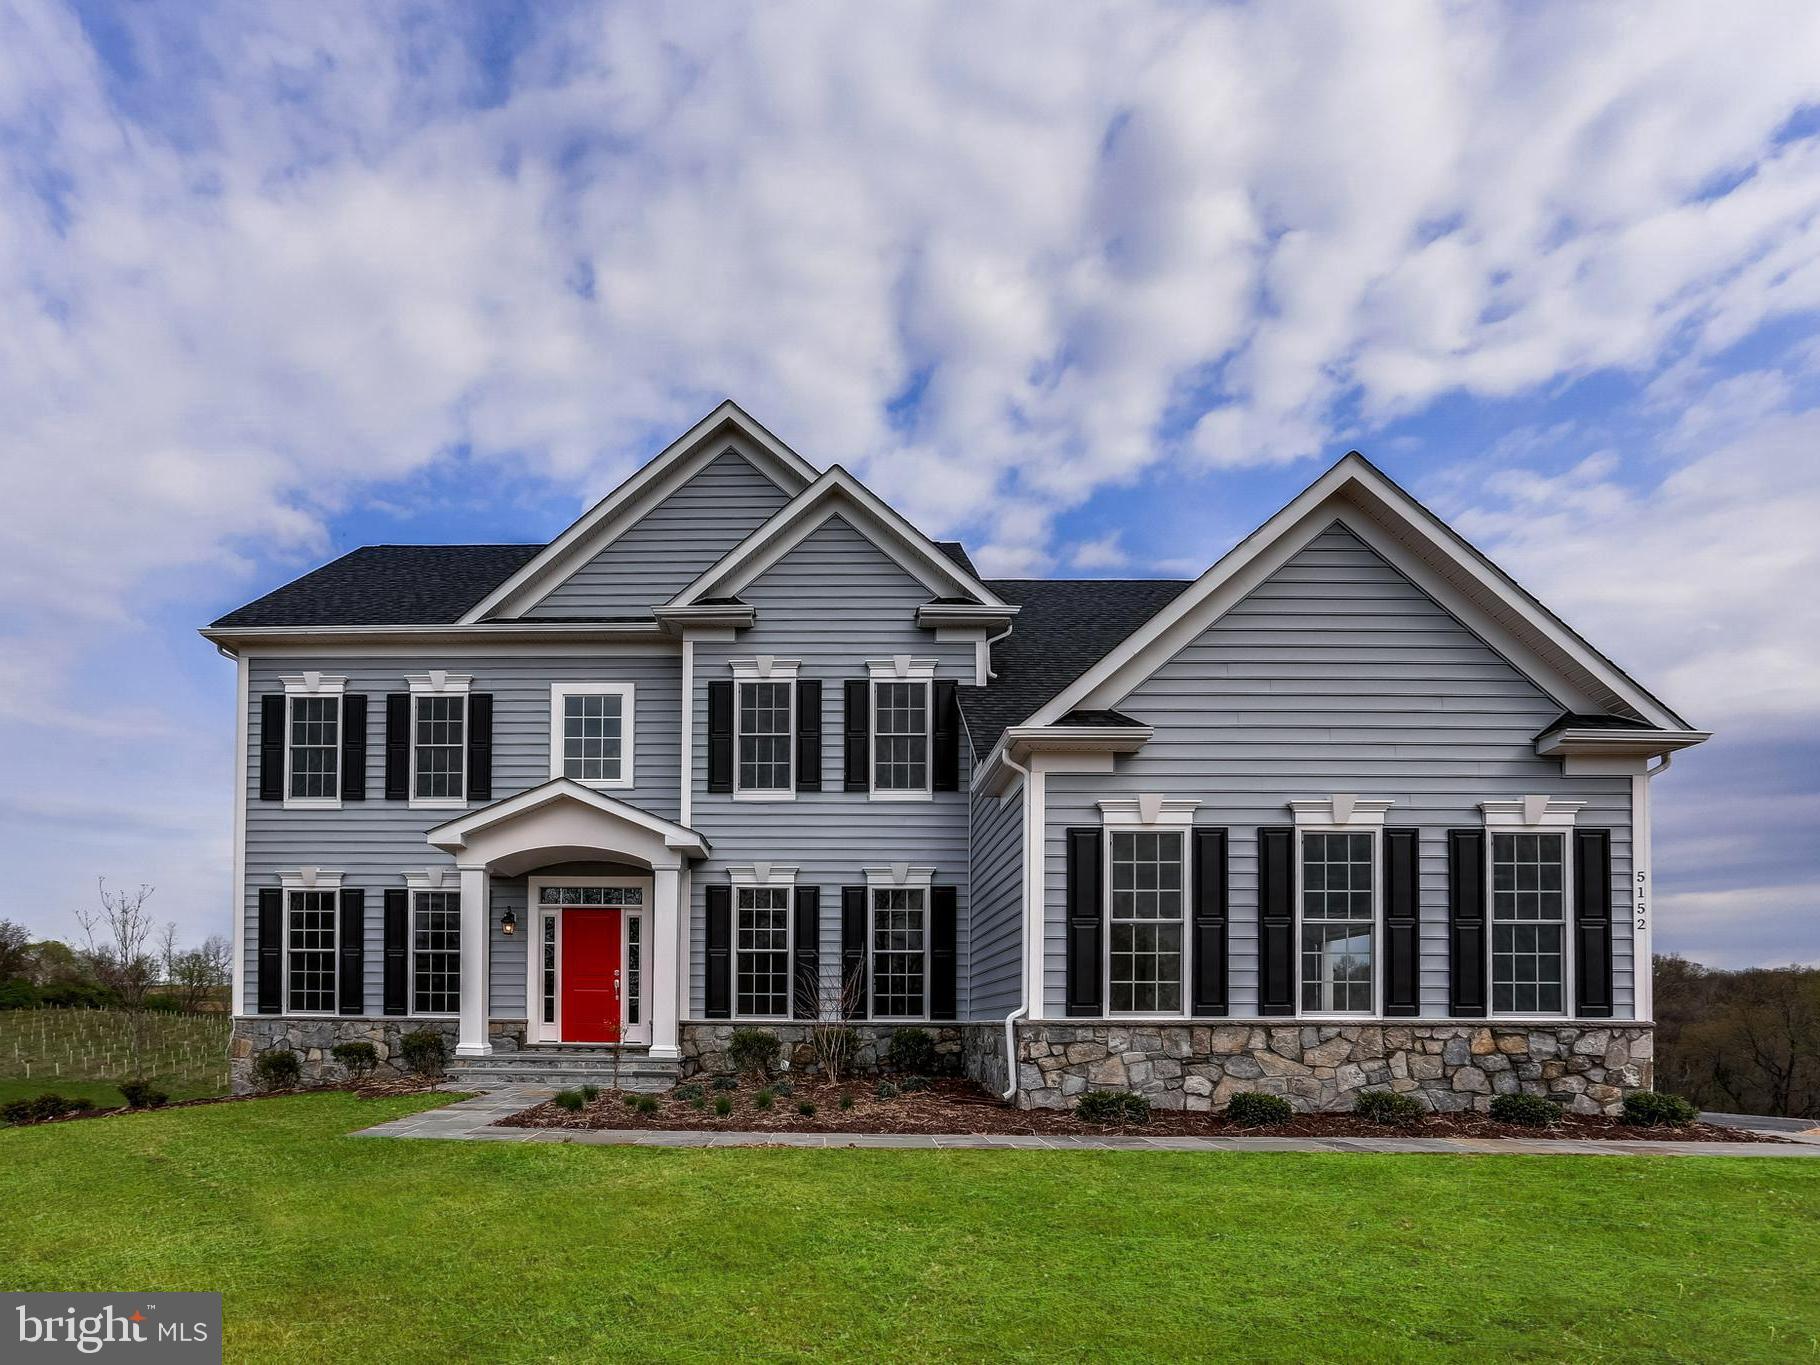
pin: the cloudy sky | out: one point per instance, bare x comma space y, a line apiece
1094, 288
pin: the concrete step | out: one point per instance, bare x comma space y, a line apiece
558, 1068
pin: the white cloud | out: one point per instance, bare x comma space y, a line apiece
1094, 556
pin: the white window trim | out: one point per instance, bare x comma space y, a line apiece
897, 877
419, 884
636, 1035
314, 684
764, 668
1533, 815
559, 692
1342, 813
438, 683
1153, 813
300, 880
767, 877
901, 668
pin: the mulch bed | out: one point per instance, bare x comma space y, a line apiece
369, 1090
960, 1107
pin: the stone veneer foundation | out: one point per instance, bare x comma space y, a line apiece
704, 1045
311, 1038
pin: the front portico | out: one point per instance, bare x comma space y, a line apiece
561, 822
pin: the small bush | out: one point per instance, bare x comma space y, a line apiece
279, 1069
357, 1058
783, 1088
1531, 1111
763, 1098
38, 1108
19, 994
687, 1092
886, 1091
726, 1082
1112, 1106
645, 1104
1250, 1109
698, 1102
806, 1108
846, 1100
911, 1052
911, 1084
1652, 1109
590, 1092
141, 1095
570, 1100
753, 1052
425, 1051
723, 1105
1388, 1107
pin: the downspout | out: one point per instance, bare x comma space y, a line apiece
992, 673
1023, 1010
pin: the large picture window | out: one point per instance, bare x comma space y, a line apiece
313, 755
435, 952
439, 747
1144, 944
1528, 923
1339, 915
766, 736
900, 736
309, 951
591, 733
762, 951
900, 952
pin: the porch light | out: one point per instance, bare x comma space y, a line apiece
508, 923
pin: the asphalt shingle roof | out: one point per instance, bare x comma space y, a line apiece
387, 585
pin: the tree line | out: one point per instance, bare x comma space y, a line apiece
1745, 1041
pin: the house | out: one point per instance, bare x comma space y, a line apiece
742, 745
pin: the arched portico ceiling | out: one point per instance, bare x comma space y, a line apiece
563, 821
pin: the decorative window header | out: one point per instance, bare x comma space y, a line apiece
900, 667
1149, 809
436, 680
433, 879
314, 684
1531, 812
766, 667
1343, 810
762, 874
310, 879
898, 874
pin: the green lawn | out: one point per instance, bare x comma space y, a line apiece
335, 1248
82, 1053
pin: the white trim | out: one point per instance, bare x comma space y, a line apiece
1148, 811
1598, 742
242, 775
895, 876
685, 795
921, 672
304, 882
1154, 815
765, 668
314, 684
438, 683
788, 887
904, 878
901, 668
1530, 813
726, 427
1374, 829
1533, 815
1341, 811
315, 642
1642, 932
310, 879
631, 1035
453, 835
626, 692
762, 875
433, 879
412, 892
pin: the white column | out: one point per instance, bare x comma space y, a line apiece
1036, 834
666, 915
476, 931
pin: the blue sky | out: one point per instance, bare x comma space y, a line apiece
1093, 289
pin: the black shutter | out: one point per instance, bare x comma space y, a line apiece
271, 949
856, 759
947, 765
853, 949
1466, 922
480, 746
808, 735
354, 747
398, 746
1084, 996
1276, 921
720, 735
1402, 923
352, 994
397, 944
944, 933
806, 986
1592, 924
1210, 916
271, 748
719, 999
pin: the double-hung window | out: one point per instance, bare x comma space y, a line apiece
1528, 923
1339, 919
312, 747
1144, 945
765, 726
761, 946
900, 952
310, 934
435, 952
591, 733
901, 727
439, 739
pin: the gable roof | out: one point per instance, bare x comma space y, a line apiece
837, 493
386, 585
1064, 626
1417, 543
621, 509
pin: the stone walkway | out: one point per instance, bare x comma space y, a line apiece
471, 1121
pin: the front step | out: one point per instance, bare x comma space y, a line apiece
568, 1066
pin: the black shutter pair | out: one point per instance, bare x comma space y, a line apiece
945, 756
1085, 923
1468, 994
398, 746
808, 735
350, 992
805, 966
353, 747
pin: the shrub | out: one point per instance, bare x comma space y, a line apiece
1388, 1107
570, 1100
753, 1052
687, 1092
1112, 1106
645, 1104
1652, 1109
763, 1098
911, 1084
357, 1058
141, 1095
425, 1051
78, 995
886, 1091
1530, 1111
590, 1092
783, 1087
19, 994
698, 1102
163, 1004
726, 1083
278, 1069
806, 1108
846, 1100
38, 1108
1250, 1109
911, 1051
723, 1105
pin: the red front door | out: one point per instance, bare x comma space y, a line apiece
590, 976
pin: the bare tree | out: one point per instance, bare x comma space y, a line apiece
195, 975
15, 949
116, 937
832, 1005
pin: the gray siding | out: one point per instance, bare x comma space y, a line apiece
374, 842
833, 602
665, 551
996, 896
1338, 675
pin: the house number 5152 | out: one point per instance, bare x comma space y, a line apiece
1642, 901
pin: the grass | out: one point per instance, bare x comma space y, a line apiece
80, 1053
330, 1247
